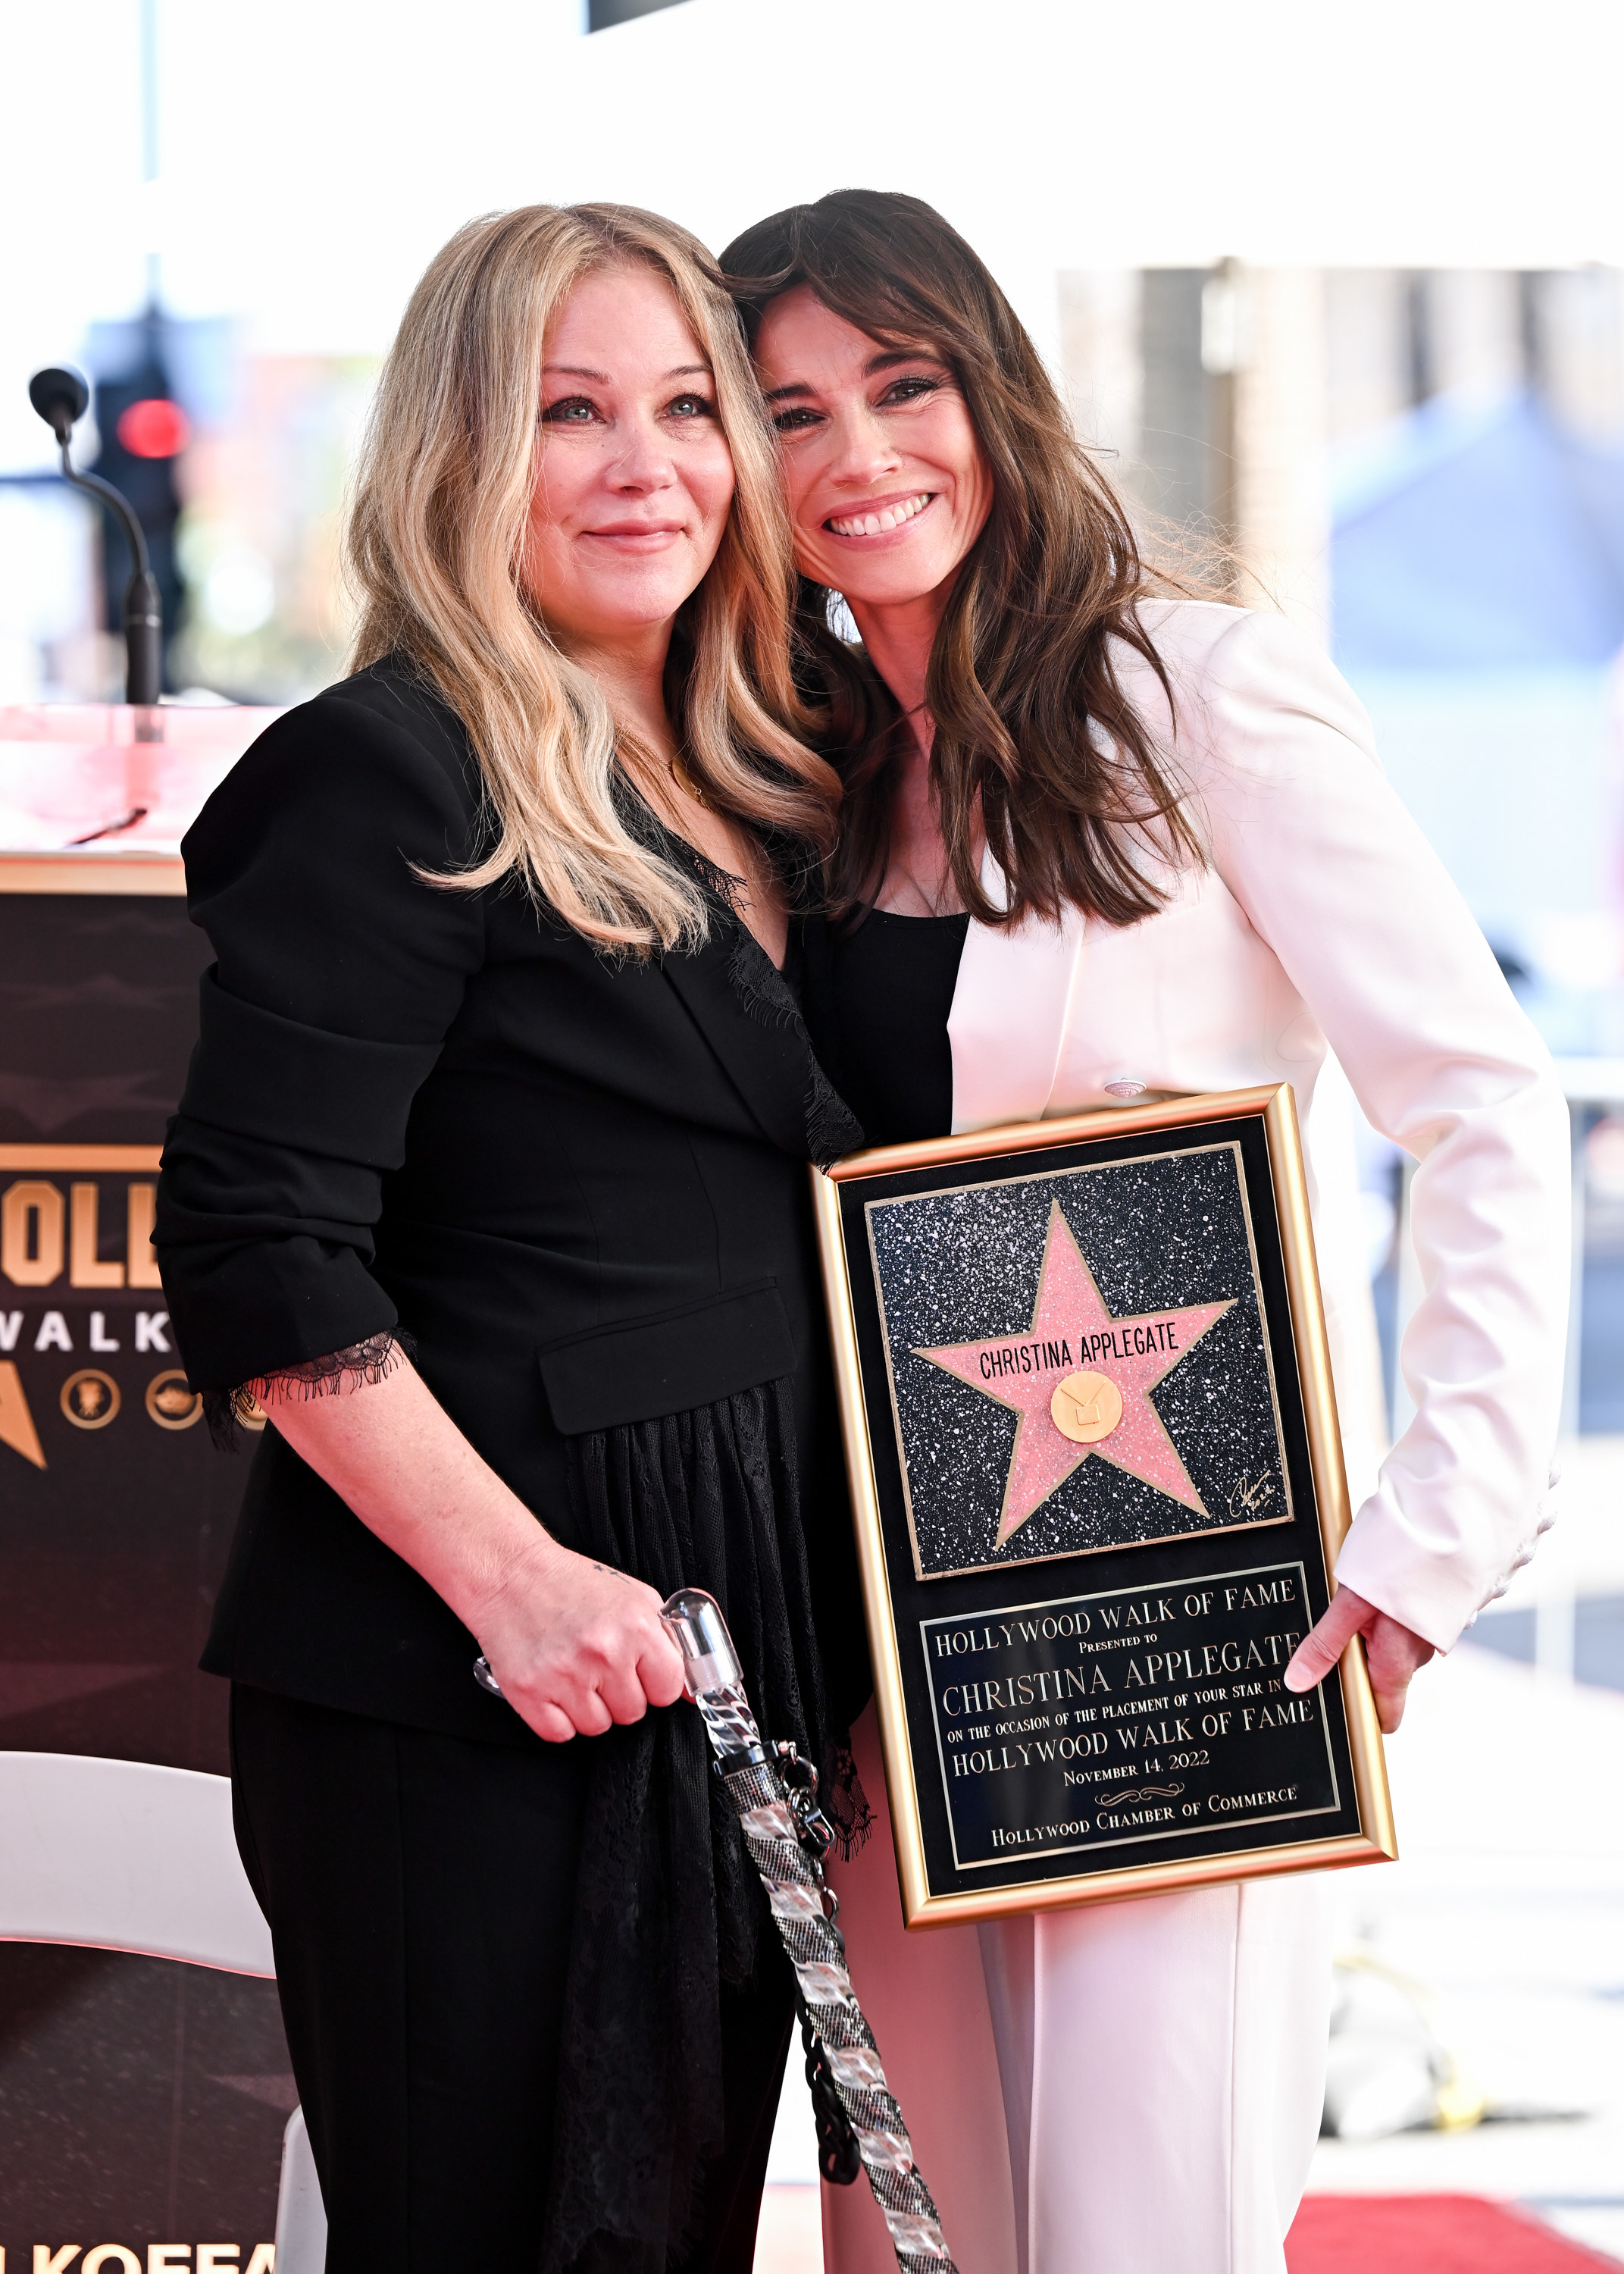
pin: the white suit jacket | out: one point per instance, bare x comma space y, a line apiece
1323, 919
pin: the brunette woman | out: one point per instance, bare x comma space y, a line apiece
1103, 842
489, 1187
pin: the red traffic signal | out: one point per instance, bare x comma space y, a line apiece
155, 428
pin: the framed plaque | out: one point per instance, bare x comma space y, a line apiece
1091, 1441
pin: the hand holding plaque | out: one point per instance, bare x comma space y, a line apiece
1394, 1653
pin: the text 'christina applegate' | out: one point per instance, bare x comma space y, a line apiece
1079, 1360
1127, 1718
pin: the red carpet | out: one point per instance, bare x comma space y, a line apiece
1427, 2234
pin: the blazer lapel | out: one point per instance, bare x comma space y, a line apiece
764, 1052
1010, 1012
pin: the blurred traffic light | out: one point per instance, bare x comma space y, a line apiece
154, 428
143, 431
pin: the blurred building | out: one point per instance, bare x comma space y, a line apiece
602, 15
267, 619
1428, 470
1207, 390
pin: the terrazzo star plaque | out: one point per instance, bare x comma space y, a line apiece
1099, 1403
1079, 1360
1096, 1344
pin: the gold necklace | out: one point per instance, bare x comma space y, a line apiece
686, 783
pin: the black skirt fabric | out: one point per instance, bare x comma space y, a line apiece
668, 1908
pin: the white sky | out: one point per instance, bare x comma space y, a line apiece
314, 155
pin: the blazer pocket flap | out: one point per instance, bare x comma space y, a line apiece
669, 1363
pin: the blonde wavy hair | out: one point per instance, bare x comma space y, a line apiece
435, 546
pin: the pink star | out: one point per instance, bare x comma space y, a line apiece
1078, 1379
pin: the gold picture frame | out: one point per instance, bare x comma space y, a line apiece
938, 1887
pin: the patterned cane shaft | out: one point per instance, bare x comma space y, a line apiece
794, 1893
728, 1717
795, 1886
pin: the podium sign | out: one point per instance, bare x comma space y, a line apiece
1091, 1435
146, 2098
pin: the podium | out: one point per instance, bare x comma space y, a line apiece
147, 2098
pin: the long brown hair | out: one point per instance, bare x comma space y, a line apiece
1033, 729
436, 545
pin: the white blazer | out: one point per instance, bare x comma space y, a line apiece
1324, 921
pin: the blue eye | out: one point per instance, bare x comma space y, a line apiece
692, 406
573, 410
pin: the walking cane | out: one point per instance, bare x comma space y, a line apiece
775, 1792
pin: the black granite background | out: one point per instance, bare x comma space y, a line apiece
97, 1015
1157, 1233
141, 2101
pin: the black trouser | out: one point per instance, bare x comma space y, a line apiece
420, 1890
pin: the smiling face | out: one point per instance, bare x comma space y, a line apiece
887, 483
633, 477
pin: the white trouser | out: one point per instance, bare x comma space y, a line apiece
1132, 2088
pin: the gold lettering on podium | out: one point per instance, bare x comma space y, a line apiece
31, 1234
85, 1268
143, 1264
17, 1428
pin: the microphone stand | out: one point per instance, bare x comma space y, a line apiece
143, 609
60, 397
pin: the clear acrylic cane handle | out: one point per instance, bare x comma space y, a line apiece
695, 1622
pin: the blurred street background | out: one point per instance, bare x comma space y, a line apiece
1340, 294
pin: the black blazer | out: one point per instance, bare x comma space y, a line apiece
579, 1184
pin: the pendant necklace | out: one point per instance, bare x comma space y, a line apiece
686, 783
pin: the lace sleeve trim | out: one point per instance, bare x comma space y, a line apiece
230, 1412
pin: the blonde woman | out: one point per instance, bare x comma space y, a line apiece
489, 1183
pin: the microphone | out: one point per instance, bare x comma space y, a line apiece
61, 397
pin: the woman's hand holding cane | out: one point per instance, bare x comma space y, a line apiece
576, 1646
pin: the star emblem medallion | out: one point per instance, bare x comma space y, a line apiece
1078, 1378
